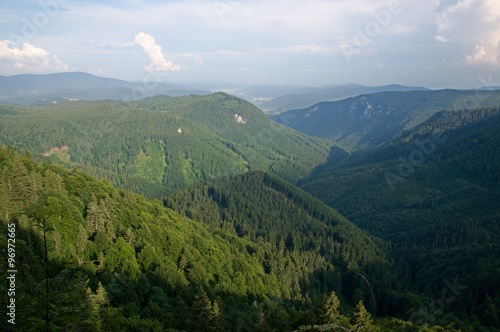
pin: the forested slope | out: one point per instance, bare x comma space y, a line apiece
370, 120
95, 258
308, 245
435, 195
116, 261
162, 144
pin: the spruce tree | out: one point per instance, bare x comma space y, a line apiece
202, 310
81, 244
331, 311
218, 322
361, 320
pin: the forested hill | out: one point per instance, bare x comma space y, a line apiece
302, 98
307, 244
160, 144
115, 261
370, 120
95, 258
435, 195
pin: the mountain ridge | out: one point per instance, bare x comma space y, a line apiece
173, 142
369, 120
28, 89
308, 97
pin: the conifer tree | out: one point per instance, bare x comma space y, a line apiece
361, 320
94, 221
331, 311
81, 244
217, 318
202, 310
98, 304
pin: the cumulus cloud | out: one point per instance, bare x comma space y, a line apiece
158, 61
30, 57
473, 25
441, 39
481, 55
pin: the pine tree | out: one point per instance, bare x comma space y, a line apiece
181, 314
21, 185
218, 322
81, 244
202, 310
5, 197
98, 304
361, 320
53, 182
331, 311
130, 237
94, 221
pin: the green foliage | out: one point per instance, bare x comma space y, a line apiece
117, 262
129, 275
307, 245
249, 252
439, 214
370, 120
160, 144
361, 320
330, 310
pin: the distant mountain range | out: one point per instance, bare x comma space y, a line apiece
35, 89
369, 120
30, 89
305, 97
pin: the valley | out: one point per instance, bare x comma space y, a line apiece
199, 213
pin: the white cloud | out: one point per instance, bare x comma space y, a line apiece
441, 39
158, 61
58, 64
473, 26
481, 55
275, 40
30, 57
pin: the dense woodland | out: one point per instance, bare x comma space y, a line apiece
229, 242
443, 186
114, 261
163, 143
367, 121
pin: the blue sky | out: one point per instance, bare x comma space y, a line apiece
448, 43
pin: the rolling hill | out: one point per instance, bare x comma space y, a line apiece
370, 120
31, 89
162, 143
305, 97
255, 253
409, 213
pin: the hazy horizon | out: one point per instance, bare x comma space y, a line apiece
434, 44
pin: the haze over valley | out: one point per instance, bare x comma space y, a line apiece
250, 165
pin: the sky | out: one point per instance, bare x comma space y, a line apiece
432, 43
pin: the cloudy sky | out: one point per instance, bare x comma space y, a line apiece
433, 43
